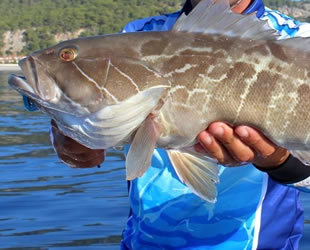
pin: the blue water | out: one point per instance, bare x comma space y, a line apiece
46, 205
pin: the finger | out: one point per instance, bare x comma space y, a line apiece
257, 141
83, 160
214, 149
237, 149
66, 143
73, 153
71, 146
90, 156
269, 154
77, 164
83, 154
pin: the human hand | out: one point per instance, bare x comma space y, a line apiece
73, 153
237, 146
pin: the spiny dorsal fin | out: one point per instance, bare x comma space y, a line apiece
216, 17
197, 172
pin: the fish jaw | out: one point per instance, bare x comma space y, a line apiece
20, 84
37, 85
24, 85
41, 81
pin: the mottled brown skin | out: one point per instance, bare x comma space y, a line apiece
229, 145
234, 145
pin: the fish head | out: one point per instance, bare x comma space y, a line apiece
72, 72
86, 87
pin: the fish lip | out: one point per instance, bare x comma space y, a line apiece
20, 84
29, 68
30, 64
27, 85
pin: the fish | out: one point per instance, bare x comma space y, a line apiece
159, 89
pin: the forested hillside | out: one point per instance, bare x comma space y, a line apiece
36, 23
42, 19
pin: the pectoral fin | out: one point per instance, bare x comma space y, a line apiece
197, 172
114, 123
140, 153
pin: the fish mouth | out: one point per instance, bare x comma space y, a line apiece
20, 84
28, 84
32, 87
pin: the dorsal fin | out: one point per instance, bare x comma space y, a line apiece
216, 17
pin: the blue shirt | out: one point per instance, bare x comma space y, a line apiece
252, 211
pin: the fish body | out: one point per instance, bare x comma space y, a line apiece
160, 89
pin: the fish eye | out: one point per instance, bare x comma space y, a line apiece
68, 54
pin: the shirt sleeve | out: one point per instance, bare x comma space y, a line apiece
287, 26
128, 28
153, 23
255, 6
292, 171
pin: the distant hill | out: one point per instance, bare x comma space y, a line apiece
29, 25
300, 11
34, 24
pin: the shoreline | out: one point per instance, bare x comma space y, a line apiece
9, 67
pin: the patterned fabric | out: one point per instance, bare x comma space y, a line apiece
252, 211
166, 214
285, 25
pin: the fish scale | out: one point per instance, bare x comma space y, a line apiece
160, 89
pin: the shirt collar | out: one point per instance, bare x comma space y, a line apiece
255, 6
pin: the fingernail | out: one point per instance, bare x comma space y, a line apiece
205, 138
219, 132
208, 139
242, 132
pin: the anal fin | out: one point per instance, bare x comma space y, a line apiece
197, 172
141, 150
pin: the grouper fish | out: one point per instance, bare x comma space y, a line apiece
160, 89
